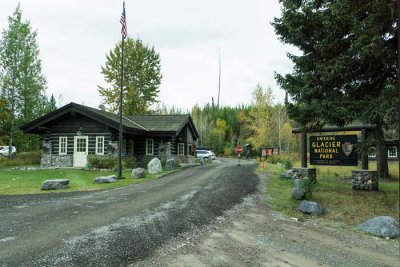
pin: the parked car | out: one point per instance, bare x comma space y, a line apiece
203, 154
213, 157
4, 151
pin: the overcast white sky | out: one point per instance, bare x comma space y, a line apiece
75, 35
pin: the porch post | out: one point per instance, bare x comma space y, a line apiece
303, 150
364, 150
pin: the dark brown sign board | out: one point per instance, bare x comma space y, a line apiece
269, 151
337, 150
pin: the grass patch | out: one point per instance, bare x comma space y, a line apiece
15, 182
279, 190
22, 159
341, 202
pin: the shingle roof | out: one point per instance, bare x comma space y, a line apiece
161, 123
140, 123
115, 117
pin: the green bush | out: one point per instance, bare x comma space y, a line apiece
105, 162
308, 187
285, 160
228, 152
130, 162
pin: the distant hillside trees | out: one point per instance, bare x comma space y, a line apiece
22, 84
142, 77
260, 124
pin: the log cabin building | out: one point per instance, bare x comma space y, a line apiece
72, 132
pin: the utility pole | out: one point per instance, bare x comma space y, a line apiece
219, 78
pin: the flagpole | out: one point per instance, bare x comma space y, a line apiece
120, 113
121, 96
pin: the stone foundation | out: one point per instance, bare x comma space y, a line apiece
364, 180
61, 161
299, 173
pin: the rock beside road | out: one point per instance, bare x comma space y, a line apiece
383, 226
170, 164
138, 173
298, 193
154, 166
105, 179
298, 183
312, 208
55, 184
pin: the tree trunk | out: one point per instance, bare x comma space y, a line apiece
381, 153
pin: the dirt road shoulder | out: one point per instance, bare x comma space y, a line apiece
252, 234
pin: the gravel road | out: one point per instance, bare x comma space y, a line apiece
121, 226
214, 215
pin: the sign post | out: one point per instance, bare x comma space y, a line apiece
239, 151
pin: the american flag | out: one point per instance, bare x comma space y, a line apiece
122, 20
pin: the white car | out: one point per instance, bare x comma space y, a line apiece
203, 154
206, 153
5, 149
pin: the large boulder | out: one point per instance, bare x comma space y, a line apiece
384, 226
105, 179
154, 166
170, 164
298, 193
313, 208
138, 173
55, 184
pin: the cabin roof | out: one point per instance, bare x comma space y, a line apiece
137, 123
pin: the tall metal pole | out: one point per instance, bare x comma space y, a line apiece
124, 32
120, 113
219, 78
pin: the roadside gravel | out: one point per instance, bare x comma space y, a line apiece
252, 234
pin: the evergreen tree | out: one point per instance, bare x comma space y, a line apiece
22, 83
142, 77
50, 104
347, 69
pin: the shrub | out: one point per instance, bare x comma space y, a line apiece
105, 162
285, 160
228, 152
130, 162
308, 187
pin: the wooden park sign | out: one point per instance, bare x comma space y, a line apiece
333, 150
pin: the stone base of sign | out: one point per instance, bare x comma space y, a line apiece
364, 180
299, 173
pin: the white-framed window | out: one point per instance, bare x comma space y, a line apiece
99, 145
372, 152
392, 152
149, 146
62, 148
181, 149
